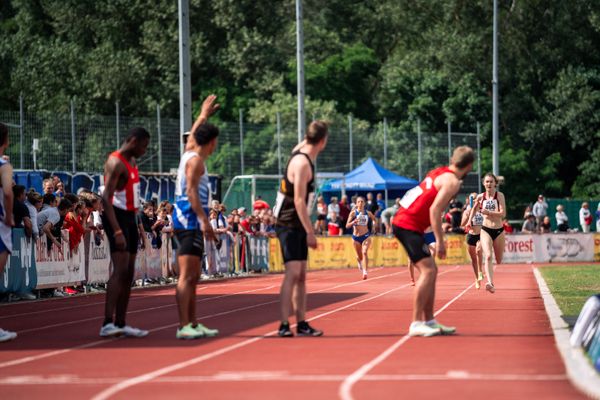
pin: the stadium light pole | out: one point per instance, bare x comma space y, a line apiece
495, 144
300, 70
185, 79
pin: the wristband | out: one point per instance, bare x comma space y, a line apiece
119, 232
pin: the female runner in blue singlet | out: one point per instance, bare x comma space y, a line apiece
361, 220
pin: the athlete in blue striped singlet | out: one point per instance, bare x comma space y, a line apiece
359, 219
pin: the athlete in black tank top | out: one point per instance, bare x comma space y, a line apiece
285, 210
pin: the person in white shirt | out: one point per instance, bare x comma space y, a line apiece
540, 209
562, 221
585, 217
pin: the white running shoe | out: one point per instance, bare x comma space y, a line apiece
111, 330
419, 328
490, 288
134, 332
5, 336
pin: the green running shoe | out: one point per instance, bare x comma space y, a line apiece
206, 331
188, 333
444, 330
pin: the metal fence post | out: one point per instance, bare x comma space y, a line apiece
242, 140
73, 136
419, 150
118, 122
350, 133
385, 131
158, 132
278, 143
21, 130
449, 142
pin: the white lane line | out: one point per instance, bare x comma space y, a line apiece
102, 341
277, 376
345, 391
112, 390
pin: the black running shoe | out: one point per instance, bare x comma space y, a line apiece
285, 331
304, 329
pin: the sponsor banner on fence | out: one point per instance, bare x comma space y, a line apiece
258, 253
332, 252
564, 247
275, 256
519, 249
147, 260
596, 246
58, 268
20, 270
98, 261
386, 252
456, 251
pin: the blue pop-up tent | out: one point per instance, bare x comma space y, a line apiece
370, 176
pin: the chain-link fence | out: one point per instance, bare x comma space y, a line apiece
81, 143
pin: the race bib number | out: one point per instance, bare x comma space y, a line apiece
477, 219
489, 205
410, 196
363, 220
278, 204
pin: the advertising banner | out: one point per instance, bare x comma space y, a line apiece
258, 253
596, 246
519, 249
456, 251
564, 247
98, 261
332, 252
20, 271
275, 256
387, 252
56, 267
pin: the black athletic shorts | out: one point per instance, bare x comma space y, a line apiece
128, 224
413, 242
190, 242
293, 243
472, 239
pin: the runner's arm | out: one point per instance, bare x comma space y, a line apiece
208, 108
448, 189
112, 171
6, 177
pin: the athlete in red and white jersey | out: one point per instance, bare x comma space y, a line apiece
121, 200
128, 197
421, 207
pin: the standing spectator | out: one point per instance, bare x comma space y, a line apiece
344, 211
334, 226
528, 210
540, 209
371, 205
585, 217
48, 186
598, 218
529, 225
562, 221
545, 227
321, 216
260, 204
34, 205
333, 207
380, 207
49, 219
21, 215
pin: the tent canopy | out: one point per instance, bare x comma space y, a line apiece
370, 176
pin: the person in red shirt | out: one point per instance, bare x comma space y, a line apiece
260, 204
74, 224
334, 226
420, 208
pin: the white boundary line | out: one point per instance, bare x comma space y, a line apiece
102, 341
114, 389
580, 372
277, 376
345, 391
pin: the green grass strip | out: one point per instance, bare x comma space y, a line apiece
572, 285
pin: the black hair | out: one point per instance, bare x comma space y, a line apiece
48, 198
3, 133
73, 198
138, 133
18, 190
64, 204
205, 133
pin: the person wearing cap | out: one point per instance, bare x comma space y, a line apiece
529, 225
540, 209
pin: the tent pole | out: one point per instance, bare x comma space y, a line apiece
386, 198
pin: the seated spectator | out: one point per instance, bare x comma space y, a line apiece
585, 217
529, 225
562, 221
507, 226
545, 227
334, 226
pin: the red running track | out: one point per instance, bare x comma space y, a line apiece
504, 348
